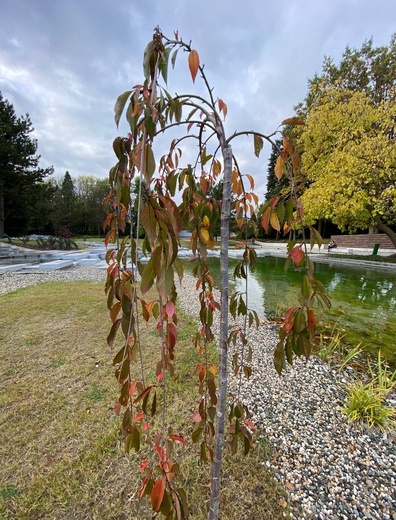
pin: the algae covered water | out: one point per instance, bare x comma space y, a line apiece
363, 301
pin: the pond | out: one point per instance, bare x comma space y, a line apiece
363, 301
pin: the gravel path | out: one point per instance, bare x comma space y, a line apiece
330, 469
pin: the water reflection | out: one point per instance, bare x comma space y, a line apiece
363, 303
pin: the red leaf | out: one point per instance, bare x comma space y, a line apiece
143, 465
197, 417
117, 409
157, 494
311, 319
265, 217
160, 452
297, 254
169, 309
289, 319
222, 107
286, 146
193, 63
178, 438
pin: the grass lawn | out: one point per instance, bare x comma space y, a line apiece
60, 450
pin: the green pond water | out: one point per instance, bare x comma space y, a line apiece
363, 301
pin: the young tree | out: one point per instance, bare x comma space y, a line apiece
151, 110
19, 172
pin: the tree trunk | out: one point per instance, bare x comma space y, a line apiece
2, 213
385, 229
223, 361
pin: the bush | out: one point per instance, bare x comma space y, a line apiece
366, 404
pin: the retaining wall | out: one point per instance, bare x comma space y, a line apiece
363, 241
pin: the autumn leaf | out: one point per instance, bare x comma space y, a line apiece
297, 254
223, 107
193, 63
311, 319
289, 319
170, 309
274, 221
265, 217
293, 121
258, 144
204, 235
279, 167
157, 494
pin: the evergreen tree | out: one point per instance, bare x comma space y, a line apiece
274, 185
19, 172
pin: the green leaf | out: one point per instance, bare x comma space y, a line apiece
163, 64
196, 434
280, 211
113, 332
149, 163
148, 277
173, 59
149, 123
258, 144
306, 287
120, 105
279, 358
135, 438
318, 238
290, 211
146, 59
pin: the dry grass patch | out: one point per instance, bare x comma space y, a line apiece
60, 451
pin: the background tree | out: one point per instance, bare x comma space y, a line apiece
88, 213
370, 69
350, 160
275, 185
358, 97
19, 172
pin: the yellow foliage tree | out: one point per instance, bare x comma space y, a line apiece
349, 160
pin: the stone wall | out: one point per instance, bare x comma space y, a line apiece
363, 241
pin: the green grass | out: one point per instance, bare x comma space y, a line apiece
60, 450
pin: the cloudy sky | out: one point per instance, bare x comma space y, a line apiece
66, 61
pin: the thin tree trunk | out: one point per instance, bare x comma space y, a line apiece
222, 390
385, 229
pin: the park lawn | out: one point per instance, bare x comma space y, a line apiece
60, 450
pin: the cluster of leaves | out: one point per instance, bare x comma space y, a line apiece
150, 110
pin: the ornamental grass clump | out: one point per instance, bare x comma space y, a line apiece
366, 404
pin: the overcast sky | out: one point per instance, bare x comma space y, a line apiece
65, 62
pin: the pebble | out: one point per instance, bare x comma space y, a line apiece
330, 469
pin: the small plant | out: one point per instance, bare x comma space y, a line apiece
365, 404
384, 378
349, 357
330, 350
25, 240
